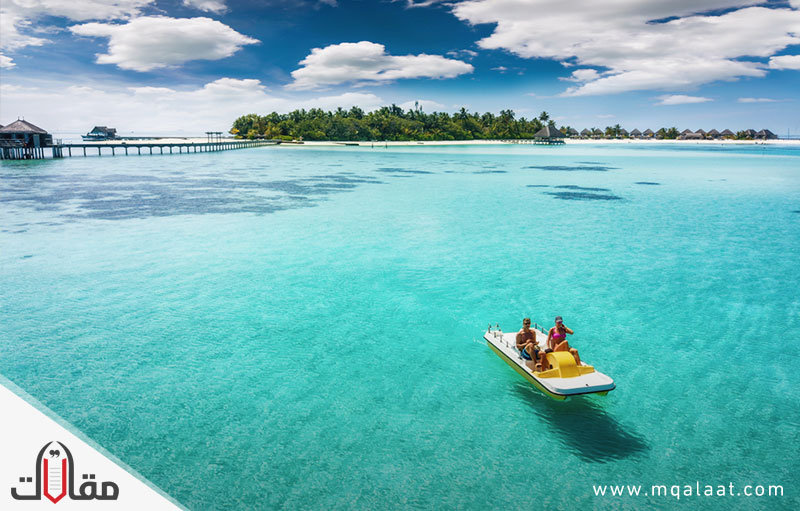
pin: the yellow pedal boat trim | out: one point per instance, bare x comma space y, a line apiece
562, 365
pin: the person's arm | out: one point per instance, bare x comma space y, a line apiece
550, 339
519, 336
568, 329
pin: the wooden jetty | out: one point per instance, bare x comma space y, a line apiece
61, 150
537, 141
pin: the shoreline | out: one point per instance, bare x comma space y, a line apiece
406, 143
329, 143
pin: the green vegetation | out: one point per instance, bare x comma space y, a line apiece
387, 123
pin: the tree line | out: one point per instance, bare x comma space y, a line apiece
387, 123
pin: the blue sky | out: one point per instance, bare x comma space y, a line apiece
185, 66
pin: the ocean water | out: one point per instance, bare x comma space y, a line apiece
300, 328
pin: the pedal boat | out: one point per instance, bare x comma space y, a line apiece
564, 379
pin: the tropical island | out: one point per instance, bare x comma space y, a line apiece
392, 123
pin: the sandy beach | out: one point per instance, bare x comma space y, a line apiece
781, 142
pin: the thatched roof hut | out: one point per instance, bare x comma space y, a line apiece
686, 132
766, 134
25, 133
623, 132
22, 126
713, 134
548, 131
649, 133
727, 133
701, 132
585, 132
572, 132
636, 133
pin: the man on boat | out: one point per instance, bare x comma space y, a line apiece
557, 339
529, 348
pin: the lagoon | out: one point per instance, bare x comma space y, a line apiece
300, 327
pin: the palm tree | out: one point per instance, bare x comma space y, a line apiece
544, 116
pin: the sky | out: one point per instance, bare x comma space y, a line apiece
190, 66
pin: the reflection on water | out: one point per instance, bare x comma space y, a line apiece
572, 168
585, 428
126, 196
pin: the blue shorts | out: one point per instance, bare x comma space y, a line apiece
526, 355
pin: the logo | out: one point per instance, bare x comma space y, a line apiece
55, 478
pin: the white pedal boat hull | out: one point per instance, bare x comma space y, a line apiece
557, 387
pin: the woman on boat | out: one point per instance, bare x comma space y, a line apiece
557, 339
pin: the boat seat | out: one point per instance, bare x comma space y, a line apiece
562, 365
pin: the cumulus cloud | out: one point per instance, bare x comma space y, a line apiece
17, 16
681, 99
11, 38
152, 42
368, 63
756, 100
6, 62
67, 107
639, 45
785, 62
583, 75
215, 6
78, 10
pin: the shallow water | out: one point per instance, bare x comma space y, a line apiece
300, 327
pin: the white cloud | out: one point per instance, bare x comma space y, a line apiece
583, 75
467, 54
78, 10
152, 42
6, 62
18, 16
11, 38
215, 6
681, 99
756, 100
64, 107
368, 63
634, 52
785, 62
424, 104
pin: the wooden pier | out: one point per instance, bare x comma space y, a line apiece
537, 141
10, 151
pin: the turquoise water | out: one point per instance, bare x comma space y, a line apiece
300, 328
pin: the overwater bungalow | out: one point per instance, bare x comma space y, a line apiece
549, 135
21, 139
750, 133
101, 133
765, 134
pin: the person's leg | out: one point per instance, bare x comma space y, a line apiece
562, 346
543, 361
575, 354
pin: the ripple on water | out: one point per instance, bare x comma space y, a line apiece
583, 196
571, 168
